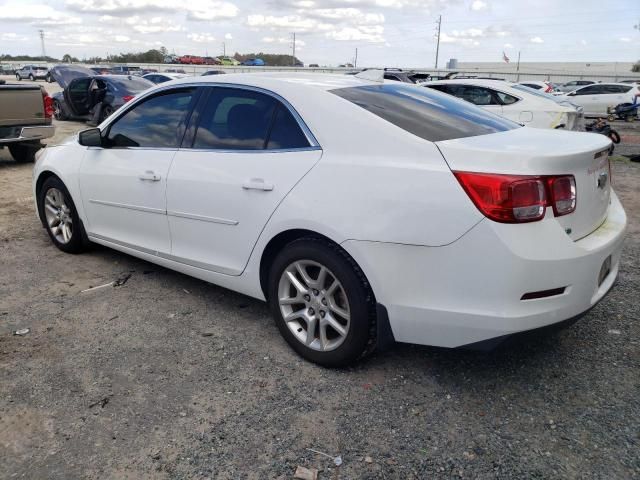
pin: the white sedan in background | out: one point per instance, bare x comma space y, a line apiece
597, 98
515, 102
363, 212
544, 87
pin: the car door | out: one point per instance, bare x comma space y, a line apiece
76, 95
588, 98
248, 150
123, 184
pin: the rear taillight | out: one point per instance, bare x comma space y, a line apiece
127, 98
47, 103
519, 198
563, 194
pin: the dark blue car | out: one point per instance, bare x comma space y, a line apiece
253, 62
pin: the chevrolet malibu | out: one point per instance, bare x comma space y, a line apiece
363, 212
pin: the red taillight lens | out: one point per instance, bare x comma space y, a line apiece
127, 98
47, 103
563, 194
519, 198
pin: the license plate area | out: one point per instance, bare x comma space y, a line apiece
605, 270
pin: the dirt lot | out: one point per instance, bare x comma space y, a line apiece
170, 377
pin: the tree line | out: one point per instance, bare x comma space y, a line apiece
150, 56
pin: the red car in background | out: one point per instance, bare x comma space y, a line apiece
191, 60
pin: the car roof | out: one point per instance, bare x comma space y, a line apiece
472, 81
283, 80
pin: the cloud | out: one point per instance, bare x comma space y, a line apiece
228, 36
122, 38
507, 45
152, 25
536, 40
624, 39
12, 37
36, 14
201, 37
194, 9
479, 5
370, 34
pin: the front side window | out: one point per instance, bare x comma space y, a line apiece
154, 123
238, 119
426, 113
591, 90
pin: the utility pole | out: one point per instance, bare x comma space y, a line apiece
518, 68
44, 53
224, 49
355, 60
439, 22
293, 60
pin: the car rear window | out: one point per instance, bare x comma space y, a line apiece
424, 112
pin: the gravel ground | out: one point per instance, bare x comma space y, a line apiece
169, 377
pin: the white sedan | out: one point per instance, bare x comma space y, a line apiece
515, 102
596, 99
363, 212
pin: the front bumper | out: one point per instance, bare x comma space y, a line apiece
471, 290
26, 134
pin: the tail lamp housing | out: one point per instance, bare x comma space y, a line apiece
519, 198
47, 103
128, 98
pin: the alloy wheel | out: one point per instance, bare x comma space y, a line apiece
314, 305
58, 215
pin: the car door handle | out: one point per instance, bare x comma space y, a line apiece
257, 184
149, 176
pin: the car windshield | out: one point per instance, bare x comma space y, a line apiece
130, 84
424, 112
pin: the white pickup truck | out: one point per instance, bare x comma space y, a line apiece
26, 111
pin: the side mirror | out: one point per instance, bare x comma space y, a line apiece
90, 138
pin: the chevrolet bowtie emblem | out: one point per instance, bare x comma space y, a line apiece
602, 180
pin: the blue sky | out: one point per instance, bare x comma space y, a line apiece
386, 32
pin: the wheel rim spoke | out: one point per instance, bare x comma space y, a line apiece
318, 318
58, 215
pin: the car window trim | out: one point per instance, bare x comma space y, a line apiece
183, 124
313, 142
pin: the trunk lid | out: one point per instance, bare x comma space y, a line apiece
530, 151
64, 74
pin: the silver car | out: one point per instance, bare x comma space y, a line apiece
32, 72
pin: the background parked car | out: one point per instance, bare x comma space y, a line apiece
543, 86
596, 99
125, 70
515, 102
253, 62
211, 61
229, 61
101, 70
7, 69
572, 85
175, 70
163, 77
32, 72
191, 60
82, 89
399, 75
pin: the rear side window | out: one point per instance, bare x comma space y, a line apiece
155, 123
505, 98
237, 119
424, 112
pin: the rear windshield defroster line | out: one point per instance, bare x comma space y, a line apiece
424, 112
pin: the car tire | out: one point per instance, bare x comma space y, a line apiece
60, 217
58, 111
18, 77
339, 307
23, 152
48, 78
614, 136
32, 78
106, 112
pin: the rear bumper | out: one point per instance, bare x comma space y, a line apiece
30, 133
471, 290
